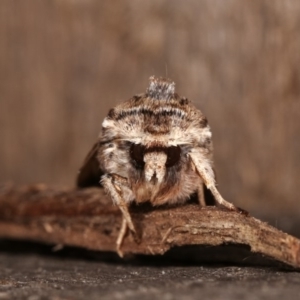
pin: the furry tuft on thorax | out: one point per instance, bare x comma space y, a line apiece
161, 88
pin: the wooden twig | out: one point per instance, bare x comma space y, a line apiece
86, 218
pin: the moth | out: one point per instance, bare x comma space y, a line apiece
157, 147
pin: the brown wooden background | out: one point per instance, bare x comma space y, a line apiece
63, 64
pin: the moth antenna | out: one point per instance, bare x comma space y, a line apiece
166, 65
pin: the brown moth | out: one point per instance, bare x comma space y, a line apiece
153, 147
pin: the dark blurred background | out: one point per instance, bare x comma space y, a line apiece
63, 64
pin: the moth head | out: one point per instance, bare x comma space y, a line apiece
154, 161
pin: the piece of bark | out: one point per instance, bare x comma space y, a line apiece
87, 218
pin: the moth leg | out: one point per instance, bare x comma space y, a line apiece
200, 194
205, 170
121, 236
200, 190
116, 185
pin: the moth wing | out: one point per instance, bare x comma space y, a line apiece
90, 173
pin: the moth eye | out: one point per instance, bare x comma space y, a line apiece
173, 156
137, 154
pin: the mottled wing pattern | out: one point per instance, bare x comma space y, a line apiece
90, 173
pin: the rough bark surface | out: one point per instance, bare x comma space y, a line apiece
86, 218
